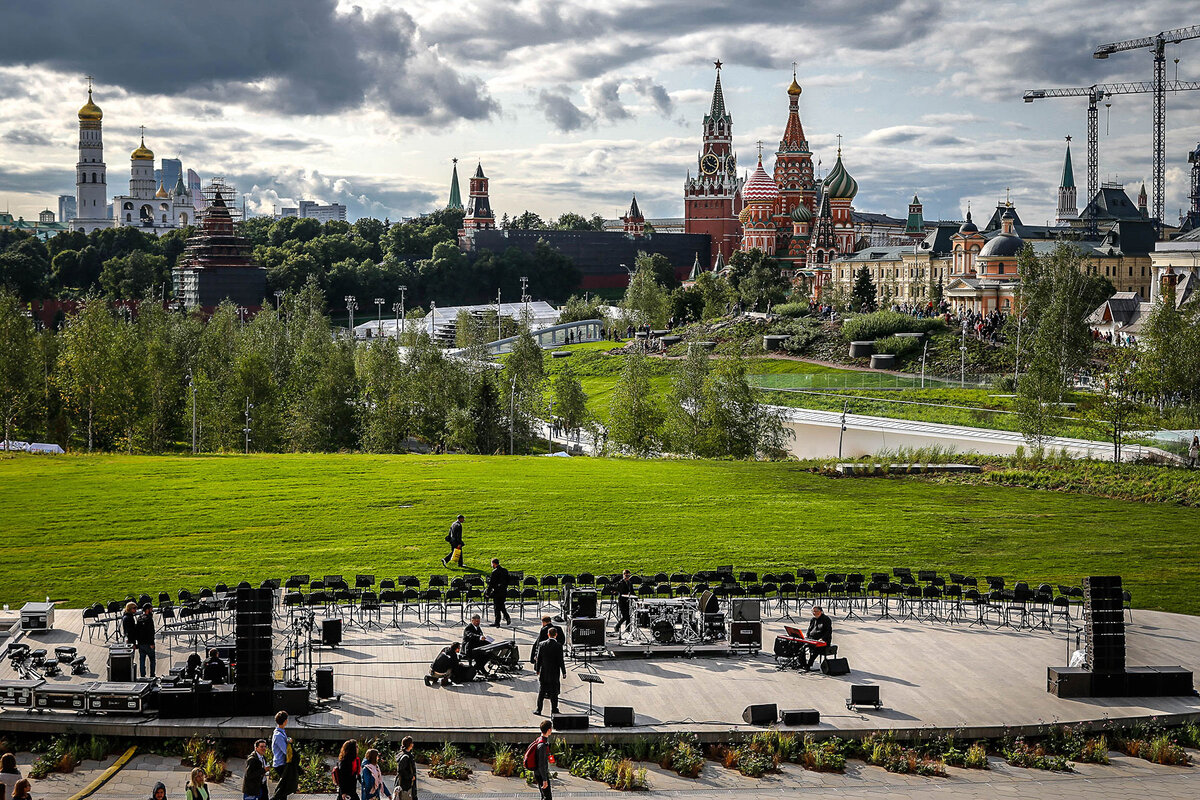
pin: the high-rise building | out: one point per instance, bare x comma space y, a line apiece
91, 182
171, 172
310, 209
66, 208
713, 199
193, 186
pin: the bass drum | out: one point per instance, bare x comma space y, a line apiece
663, 631
709, 603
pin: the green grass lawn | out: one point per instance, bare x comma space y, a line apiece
82, 529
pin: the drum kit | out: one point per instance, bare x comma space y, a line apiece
677, 620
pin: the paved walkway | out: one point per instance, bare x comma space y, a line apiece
1125, 778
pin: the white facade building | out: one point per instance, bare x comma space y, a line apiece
309, 209
91, 182
153, 210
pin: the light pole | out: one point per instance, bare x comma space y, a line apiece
512, 398
525, 293
396, 308
924, 352
378, 315
241, 310
192, 386
351, 307
499, 327
278, 299
403, 316
842, 432
246, 430
550, 425
962, 349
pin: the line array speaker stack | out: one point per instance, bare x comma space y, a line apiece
1104, 623
254, 679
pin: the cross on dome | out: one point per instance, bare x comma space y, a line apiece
760, 147
839, 138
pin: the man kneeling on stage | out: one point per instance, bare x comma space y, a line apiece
442, 668
821, 628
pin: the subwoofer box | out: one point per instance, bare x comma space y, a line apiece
761, 714
571, 722
802, 716
618, 716
835, 666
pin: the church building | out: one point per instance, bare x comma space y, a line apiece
153, 210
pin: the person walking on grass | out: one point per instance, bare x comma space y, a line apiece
455, 539
406, 771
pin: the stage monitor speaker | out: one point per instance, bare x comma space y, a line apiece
571, 722
745, 633
292, 699
331, 632
618, 716
864, 695
582, 603
763, 714
746, 610
835, 666
587, 632
120, 665
801, 716
324, 682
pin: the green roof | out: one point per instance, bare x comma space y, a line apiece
1068, 176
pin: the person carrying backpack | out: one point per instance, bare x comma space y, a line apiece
406, 771
345, 774
537, 759
372, 777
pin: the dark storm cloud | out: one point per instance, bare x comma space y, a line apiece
27, 137
295, 56
561, 112
41, 180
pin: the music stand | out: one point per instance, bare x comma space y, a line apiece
591, 679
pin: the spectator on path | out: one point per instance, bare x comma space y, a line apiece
145, 640
455, 539
9, 774
254, 784
346, 773
23, 790
372, 777
160, 791
406, 771
541, 769
283, 767
497, 587
550, 663
129, 624
1193, 452
197, 788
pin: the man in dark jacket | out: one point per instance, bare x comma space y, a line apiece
544, 634
129, 624
455, 539
820, 629
624, 594
443, 666
144, 635
254, 784
497, 587
406, 772
551, 668
541, 770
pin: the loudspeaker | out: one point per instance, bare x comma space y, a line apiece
331, 632
324, 682
744, 610
177, 703
292, 699
587, 632
571, 722
764, 714
864, 695
618, 716
802, 716
120, 664
835, 666
745, 633
253, 703
582, 603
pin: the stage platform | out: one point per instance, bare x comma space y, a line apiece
933, 676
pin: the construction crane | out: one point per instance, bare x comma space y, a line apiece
1095, 94
1157, 45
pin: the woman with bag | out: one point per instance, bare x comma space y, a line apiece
372, 777
196, 788
406, 771
346, 773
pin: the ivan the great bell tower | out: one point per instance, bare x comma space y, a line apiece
712, 199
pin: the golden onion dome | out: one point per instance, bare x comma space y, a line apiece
794, 89
161, 191
142, 153
90, 110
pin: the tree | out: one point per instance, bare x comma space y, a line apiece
635, 419
23, 269
571, 221
577, 309
524, 376
383, 407
18, 366
1118, 408
687, 305
487, 416
570, 401
757, 279
88, 373
736, 423
660, 265
687, 402
133, 277
864, 294
527, 221
716, 293
645, 301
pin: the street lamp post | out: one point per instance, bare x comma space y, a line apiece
192, 386
351, 307
962, 349
378, 315
246, 430
278, 299
512, 398
403, 316
396, 308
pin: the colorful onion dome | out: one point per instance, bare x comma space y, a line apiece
761, 187
794, 89
839, 184
90, 110
744, 216
801, 213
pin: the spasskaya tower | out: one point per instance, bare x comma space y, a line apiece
712, 199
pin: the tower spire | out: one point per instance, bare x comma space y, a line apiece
455, 201
1068, 175
717, 110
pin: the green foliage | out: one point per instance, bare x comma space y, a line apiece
902, 347
570, 401
822, 756
505, 760
883, 750
315, 775
18, 366
881, 324
757, 280
863, 295
645, 301
1156, 744
1021, 753
618, 773
447, 764
135, 276
791, 309
577, 309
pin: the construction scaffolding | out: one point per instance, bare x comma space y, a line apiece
228, 192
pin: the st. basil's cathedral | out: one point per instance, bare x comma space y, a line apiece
802, 222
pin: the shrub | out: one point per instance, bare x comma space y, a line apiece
822, 756
214, 767
681, 754
1035, 756
617, 772
504, 762
901, 347
791, 309
887, 323
884, 751
447, 764
98, 747
315, 775
1159, 749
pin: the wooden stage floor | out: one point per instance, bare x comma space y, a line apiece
932, 676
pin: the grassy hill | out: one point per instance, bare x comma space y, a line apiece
82, 529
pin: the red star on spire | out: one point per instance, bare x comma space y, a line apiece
718, 63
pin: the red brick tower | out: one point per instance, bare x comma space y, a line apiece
794, 176
713, 199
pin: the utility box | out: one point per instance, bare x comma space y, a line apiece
37, 617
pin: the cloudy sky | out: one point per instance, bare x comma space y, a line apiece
573, 106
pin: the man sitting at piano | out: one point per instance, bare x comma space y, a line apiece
820, 629
473, 637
